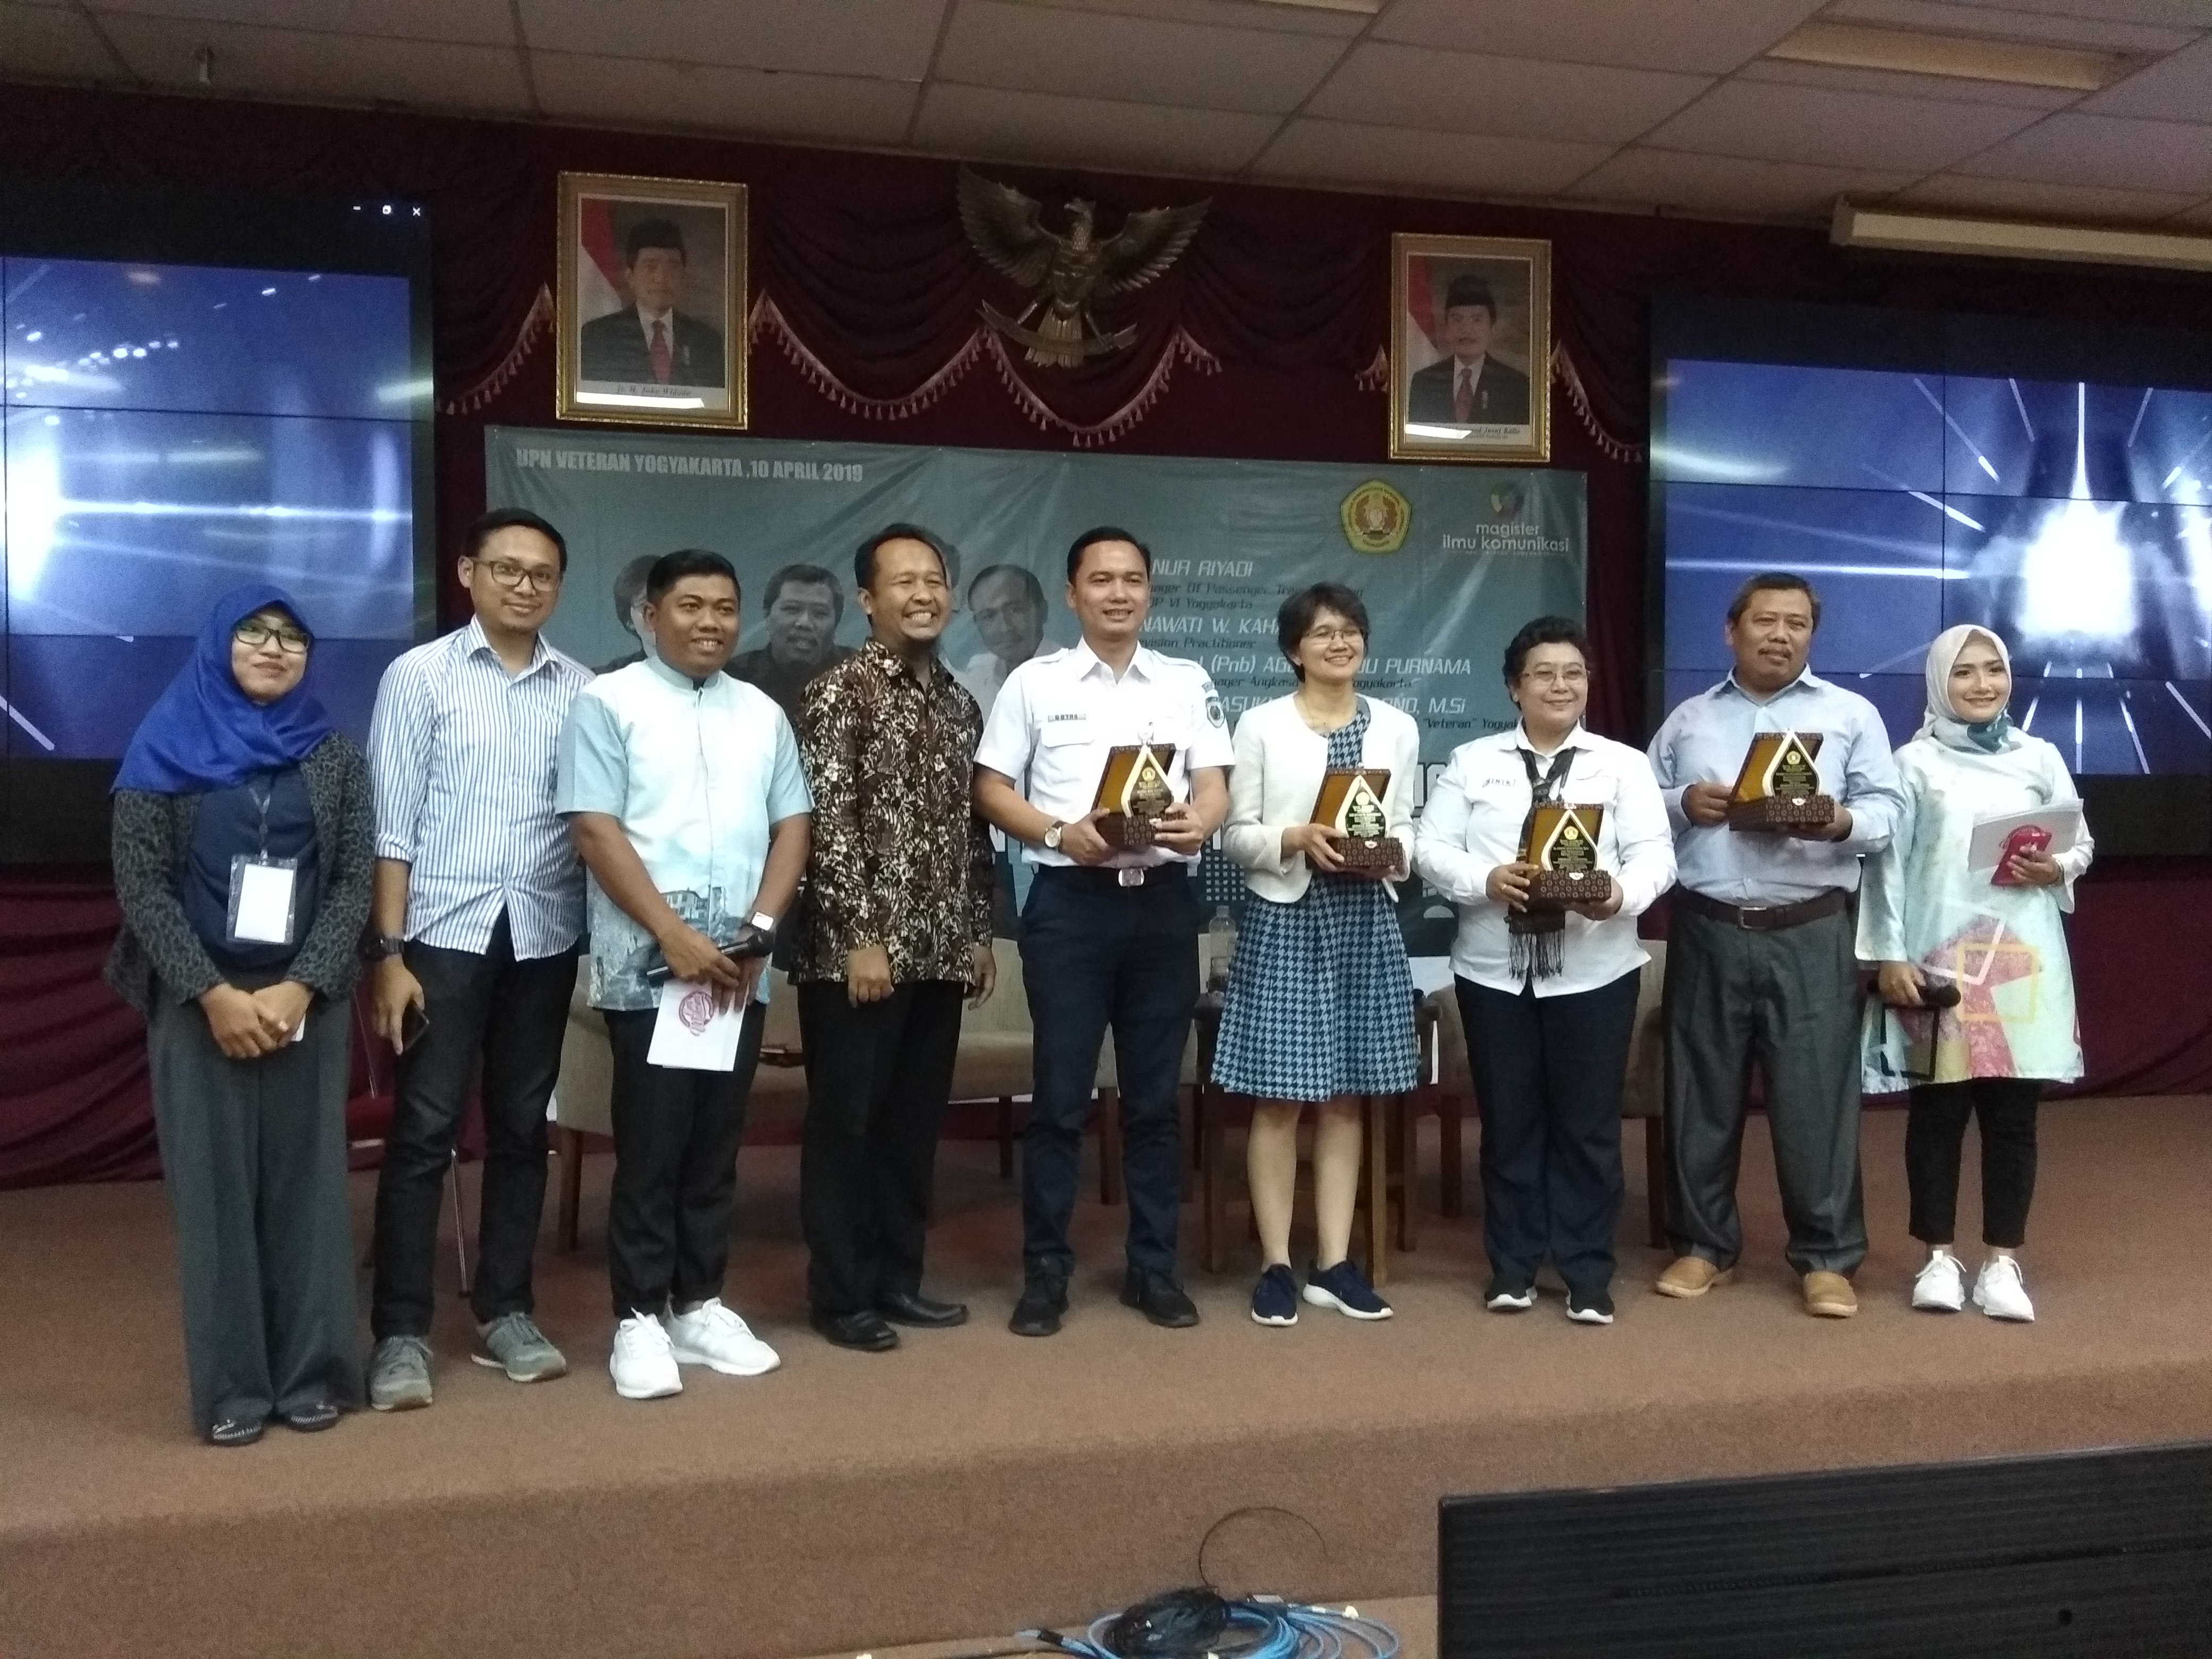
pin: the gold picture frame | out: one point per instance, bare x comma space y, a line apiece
651, 307
1494, 405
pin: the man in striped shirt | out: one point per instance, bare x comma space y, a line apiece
479, 904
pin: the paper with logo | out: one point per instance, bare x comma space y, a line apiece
690, 1033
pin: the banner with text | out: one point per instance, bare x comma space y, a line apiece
1450, 560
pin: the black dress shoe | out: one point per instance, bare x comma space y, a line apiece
1160, 1299
864, 1331
234, 1432
924, 1313
312, 1418
1038, 1314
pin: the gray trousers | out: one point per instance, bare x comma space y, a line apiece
253, 1155
1788, 1000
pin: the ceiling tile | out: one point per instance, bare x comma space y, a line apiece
485, 22
889, 40
2099, 149
1090, 54
717, 98
2199, 215
1944, 87
2020, 198
2174, 14
2086, 24
289, 65
1776, 123
1446, 163
1699, 37
1091, 132
1228, 14
1461, 92
1727, 188
50, 43
2175, 89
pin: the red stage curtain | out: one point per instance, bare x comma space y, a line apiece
863, 255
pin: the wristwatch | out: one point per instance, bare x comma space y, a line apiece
1052, 834
756, 939
383, 946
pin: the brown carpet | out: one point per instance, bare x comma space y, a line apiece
973, 1482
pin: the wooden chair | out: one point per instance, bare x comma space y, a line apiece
1644, 1094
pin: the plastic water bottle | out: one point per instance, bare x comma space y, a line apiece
1221, 946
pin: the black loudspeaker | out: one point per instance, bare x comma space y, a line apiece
2080, 1553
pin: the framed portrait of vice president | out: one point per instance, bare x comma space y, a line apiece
651, 310
1470, 349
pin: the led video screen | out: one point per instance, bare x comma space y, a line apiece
2074, 516
173, 430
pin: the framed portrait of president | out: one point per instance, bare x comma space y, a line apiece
1470, 349
651, 307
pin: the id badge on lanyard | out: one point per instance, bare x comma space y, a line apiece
263, 891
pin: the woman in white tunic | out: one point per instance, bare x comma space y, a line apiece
1927, 920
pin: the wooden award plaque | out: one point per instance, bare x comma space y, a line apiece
1563, 846
1778, 788
1351, 802
1133, 793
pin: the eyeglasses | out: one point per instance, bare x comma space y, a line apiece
1550, 676
508, 574
255, 635
1331, 635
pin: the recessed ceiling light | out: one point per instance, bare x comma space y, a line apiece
1996, 238
1960, 57
1364, 8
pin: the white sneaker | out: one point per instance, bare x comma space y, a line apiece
712, 1334
643, 1364
1999, 1293
1942, 1286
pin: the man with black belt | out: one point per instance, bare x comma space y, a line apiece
893, 932
1760, 962
1109, 938
479, 903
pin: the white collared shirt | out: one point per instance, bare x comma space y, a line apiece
1059, 714
1473, 822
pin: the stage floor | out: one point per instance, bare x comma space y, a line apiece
973, 1482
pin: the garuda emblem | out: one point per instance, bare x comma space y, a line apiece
1068, 271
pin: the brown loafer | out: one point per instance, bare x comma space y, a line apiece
1690, 1275
1829, 1295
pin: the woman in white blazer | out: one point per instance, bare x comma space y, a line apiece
1547, 999
1319, 1005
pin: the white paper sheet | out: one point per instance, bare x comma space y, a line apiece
1986, 847
265, 903
691, 1032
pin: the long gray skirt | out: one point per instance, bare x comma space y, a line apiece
253, 1157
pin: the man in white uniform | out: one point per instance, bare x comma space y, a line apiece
1109, 938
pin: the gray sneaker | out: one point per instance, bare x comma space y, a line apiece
399, 1374
512, 1343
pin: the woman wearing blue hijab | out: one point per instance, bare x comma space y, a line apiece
244, 856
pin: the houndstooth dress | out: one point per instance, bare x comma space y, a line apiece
1320, 1001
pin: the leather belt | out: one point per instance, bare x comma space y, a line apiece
1764, 918
1119, 876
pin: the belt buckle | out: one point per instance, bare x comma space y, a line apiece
1748, 917
1131, 875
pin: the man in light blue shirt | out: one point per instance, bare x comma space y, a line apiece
1760, 963
684, 792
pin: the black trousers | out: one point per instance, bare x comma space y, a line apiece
877, 1078
676, 1168
1095, 954
1936, 1130
1788, 1000
253, 1157
1547, 1075
510, 1015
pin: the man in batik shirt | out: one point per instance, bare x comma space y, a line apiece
895, 931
